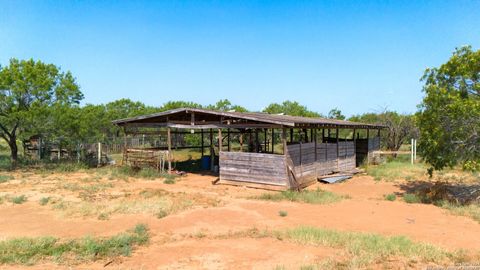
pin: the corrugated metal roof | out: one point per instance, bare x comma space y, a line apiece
284, 120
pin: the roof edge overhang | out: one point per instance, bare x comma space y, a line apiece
262, 123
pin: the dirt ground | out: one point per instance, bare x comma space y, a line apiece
182, 240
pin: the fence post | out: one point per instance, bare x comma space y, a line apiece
99, 154
415, 150
411, 151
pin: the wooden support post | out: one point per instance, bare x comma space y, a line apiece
284, 140
125, 154
291, 135
311, 135
202, 143
323, 135
338, 152
212, 151
228, 140
220, 141
257, 144
273, 141
241, 142
265, 140
314, 136
169, 145
354, 144
368, 146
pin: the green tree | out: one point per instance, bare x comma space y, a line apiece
449, 116
170, 105
399, 128
225, 105
336, 114
290, 108
28, 88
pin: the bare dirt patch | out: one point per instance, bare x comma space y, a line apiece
221, 209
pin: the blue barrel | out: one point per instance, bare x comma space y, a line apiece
206, 163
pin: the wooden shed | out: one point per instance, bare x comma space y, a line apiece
258, 149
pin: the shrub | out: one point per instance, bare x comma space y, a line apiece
162, 214
390, 197
18, 199
282, 213
44, 200
411, 198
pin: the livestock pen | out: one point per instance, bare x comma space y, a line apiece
258, 149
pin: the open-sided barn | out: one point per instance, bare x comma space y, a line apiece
258, 149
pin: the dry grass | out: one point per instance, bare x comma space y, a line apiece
155, 202
355, 250
317, 196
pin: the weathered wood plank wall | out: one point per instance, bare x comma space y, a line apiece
254, 168
307, 169
306, 163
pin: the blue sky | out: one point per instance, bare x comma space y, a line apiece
359, 56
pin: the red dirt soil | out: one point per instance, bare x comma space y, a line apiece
365, 211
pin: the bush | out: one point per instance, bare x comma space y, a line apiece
162, 214
44, 200
18, 199
282, 213
390, 197
411, 198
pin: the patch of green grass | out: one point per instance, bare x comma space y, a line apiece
411, 198
6, 178
44, 201
31, 250
470, 210
282, 213
390, 197
364, 249
397, 169
317, 196
18, 199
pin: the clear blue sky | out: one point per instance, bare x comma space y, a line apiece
359, 56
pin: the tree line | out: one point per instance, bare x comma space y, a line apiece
40, 98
